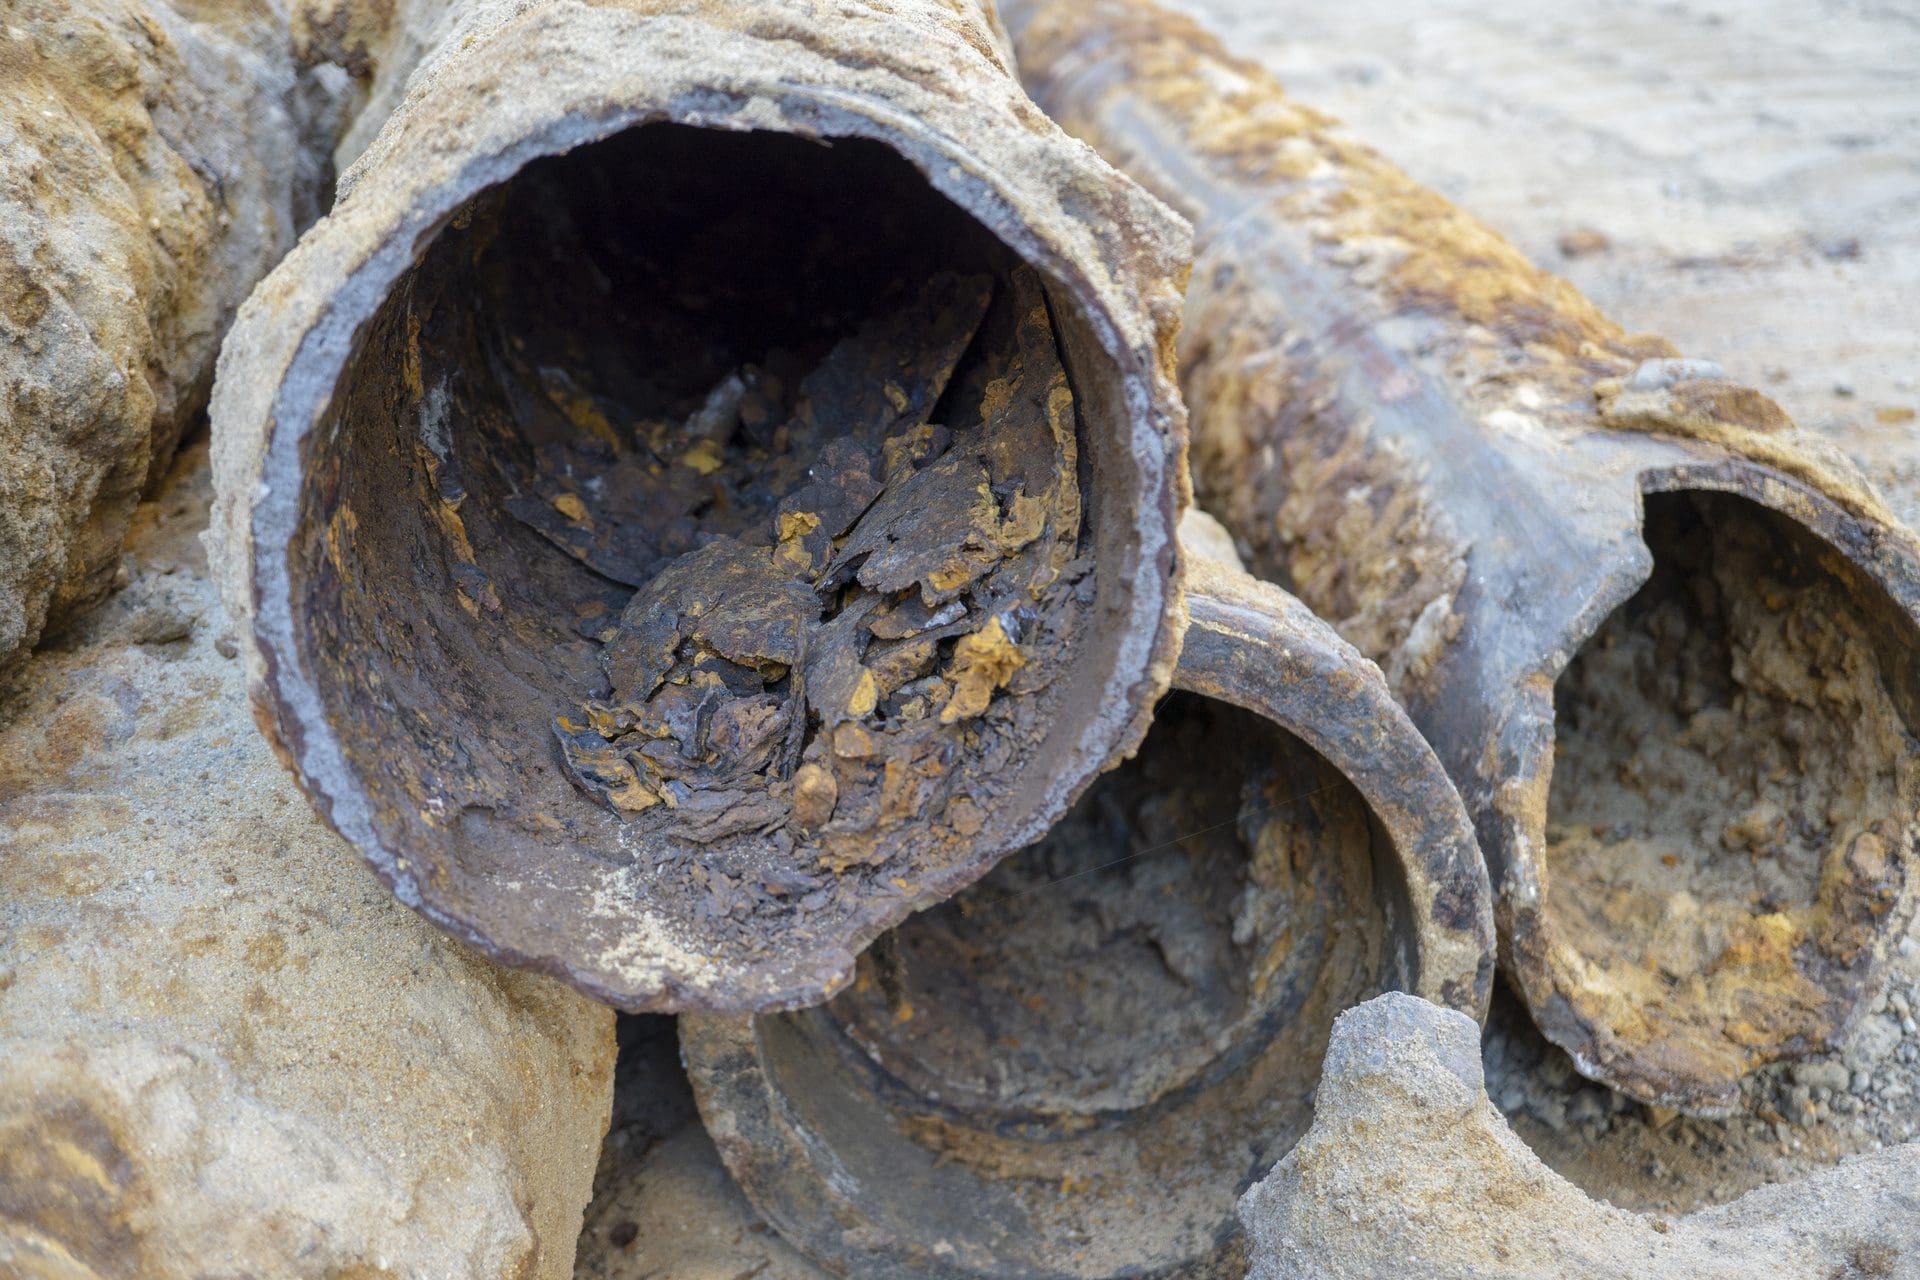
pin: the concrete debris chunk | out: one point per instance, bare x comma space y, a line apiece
1409, 1170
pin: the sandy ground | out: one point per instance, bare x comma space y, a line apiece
1754, 166
1752, 171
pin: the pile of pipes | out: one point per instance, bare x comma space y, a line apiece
1065, 616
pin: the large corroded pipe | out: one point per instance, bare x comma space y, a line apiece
708, 489
1073, 1069
154, 168
1664, 643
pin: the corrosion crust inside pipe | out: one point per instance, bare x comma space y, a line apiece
1150, 933
714, 499
1730, 767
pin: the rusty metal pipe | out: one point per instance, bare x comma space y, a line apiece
515, 332
1074, 1068
1663, 642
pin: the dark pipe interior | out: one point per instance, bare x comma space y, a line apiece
1075, 1067
553, 341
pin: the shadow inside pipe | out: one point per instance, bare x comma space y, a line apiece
1075, 1067
1731, 803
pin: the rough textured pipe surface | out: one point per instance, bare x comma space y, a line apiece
224, 1049
1074, 1068
154, 167
1409, 1169
422, 614
1663, 642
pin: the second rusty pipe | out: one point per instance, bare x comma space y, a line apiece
1664, 643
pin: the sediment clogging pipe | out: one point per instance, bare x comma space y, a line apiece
1073, 1069
1663, 642
497, 449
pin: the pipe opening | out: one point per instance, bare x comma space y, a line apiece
1731, 802
1076, 1066
717, 509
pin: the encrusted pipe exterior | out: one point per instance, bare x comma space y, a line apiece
224, 1050
868, 1141
1452, 456
457, 800
154, 167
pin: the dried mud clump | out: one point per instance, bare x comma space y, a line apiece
154, 166
1407, 1159
1724, 831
